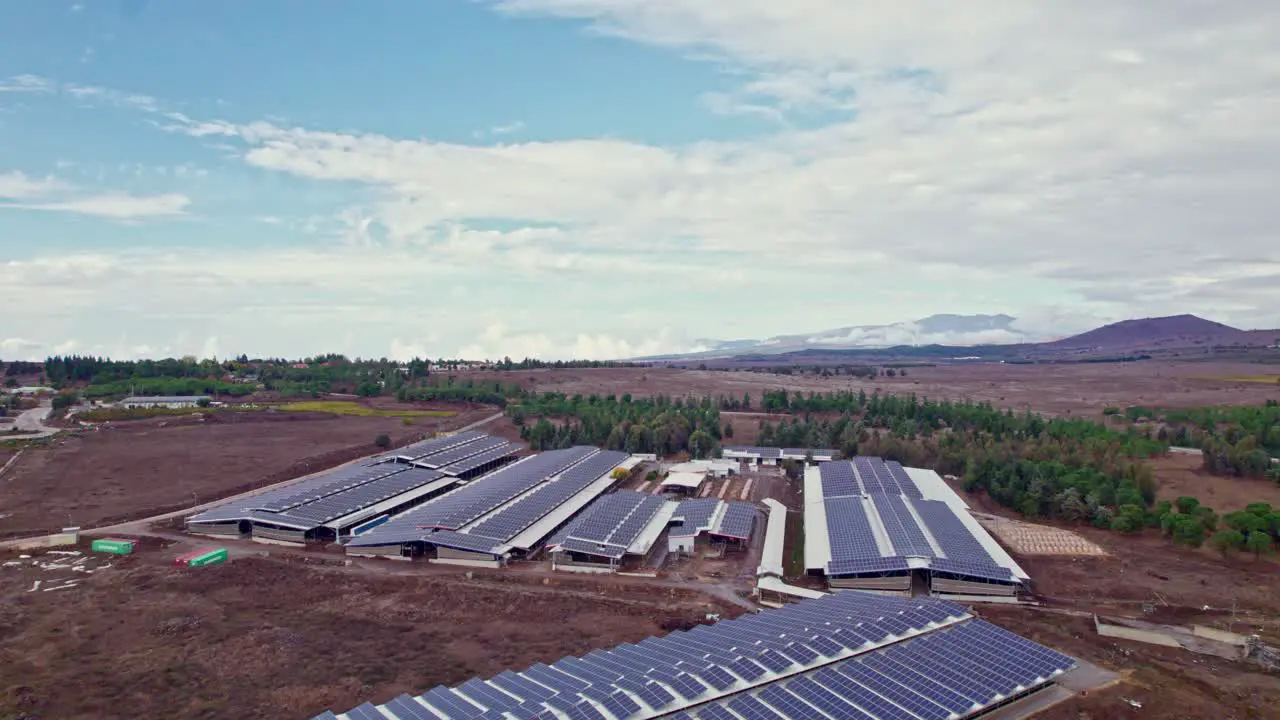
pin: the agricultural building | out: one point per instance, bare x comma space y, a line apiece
350, 500
875, 525
842, 656
617, 527
775, 456
686, 483
727, 524
149, 402
769, 585
501, 515
718, 468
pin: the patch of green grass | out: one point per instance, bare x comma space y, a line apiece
105, 414
1264, 379
346, 407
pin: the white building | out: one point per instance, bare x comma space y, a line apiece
163, 401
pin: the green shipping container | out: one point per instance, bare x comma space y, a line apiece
210, 558
115, 547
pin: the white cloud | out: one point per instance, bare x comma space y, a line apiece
497, 341
76, 8
17, 186
116, 206
17, 348
26, 84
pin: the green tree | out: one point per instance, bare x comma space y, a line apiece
1128, 519
1227, 540
383, 441
728, 430
62, 401
1188, 530
701, 444
1259, 543
1187, 505
204, 402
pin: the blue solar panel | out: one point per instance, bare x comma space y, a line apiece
492, 698
788, 705
867, 678
365, 712
714, 712
905, 483
838, 480
752, 709
849, 531
695, 514
406, 708
520, 686
738, 520
453, 705
516, 517
584, 711
904, 532
448, 457
621, 706
479, 460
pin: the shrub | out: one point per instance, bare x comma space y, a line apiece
383, 441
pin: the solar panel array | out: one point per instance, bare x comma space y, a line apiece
964, 554
423, 448
847, 655
893, 496
737, 521
838, 480
479, 460
435, 461
764, 452
469, 502
616, 520
695, 514
333, 495
515, 518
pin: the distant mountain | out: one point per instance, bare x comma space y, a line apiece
1174, 330
944, 329
990, 337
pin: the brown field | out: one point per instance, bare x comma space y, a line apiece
1076, 389
258, 638
133, 469
1180, 475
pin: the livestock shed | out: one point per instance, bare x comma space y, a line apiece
148, 402
328, 507
716, 468
616, 527
727, 524
686, 483
498, 516
847, 655
774, 456
462, 455
875, 525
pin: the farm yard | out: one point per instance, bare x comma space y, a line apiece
137, 468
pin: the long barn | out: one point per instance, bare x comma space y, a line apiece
875, 525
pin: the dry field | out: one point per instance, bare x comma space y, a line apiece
132, 469
258, 638
1079, 389
1179, 475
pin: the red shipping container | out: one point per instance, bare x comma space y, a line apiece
185, 558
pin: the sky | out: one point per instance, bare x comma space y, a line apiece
615, 178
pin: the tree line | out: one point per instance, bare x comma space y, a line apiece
1235, 440
658, 424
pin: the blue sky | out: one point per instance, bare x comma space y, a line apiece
606, 178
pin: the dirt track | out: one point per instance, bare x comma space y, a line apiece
258, 638
140, 468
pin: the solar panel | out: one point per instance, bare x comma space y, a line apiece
695, 516
516, 517
466, 465
365, 712
406, 708
462, 541
838, 480
956, 667
435, 461
904, 533
737, 521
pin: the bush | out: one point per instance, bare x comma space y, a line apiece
383, 441
1112, 410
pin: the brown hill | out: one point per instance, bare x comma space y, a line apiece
1162, 332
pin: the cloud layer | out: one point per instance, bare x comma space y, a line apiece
1078, 161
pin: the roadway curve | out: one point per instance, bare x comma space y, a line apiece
30, 424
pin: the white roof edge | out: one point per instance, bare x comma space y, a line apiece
817, 544
775, 584
933, 487
647, 537
774, 537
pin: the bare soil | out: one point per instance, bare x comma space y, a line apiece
1178, 475
1066, 389
133, 469
1168, 683
257, 638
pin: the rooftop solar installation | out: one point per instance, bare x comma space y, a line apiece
616, 519
469, 502
325, 498
435, 461
423, 448
867, 490
479, 460
882, 658
737, 521
694, 515
514, 518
